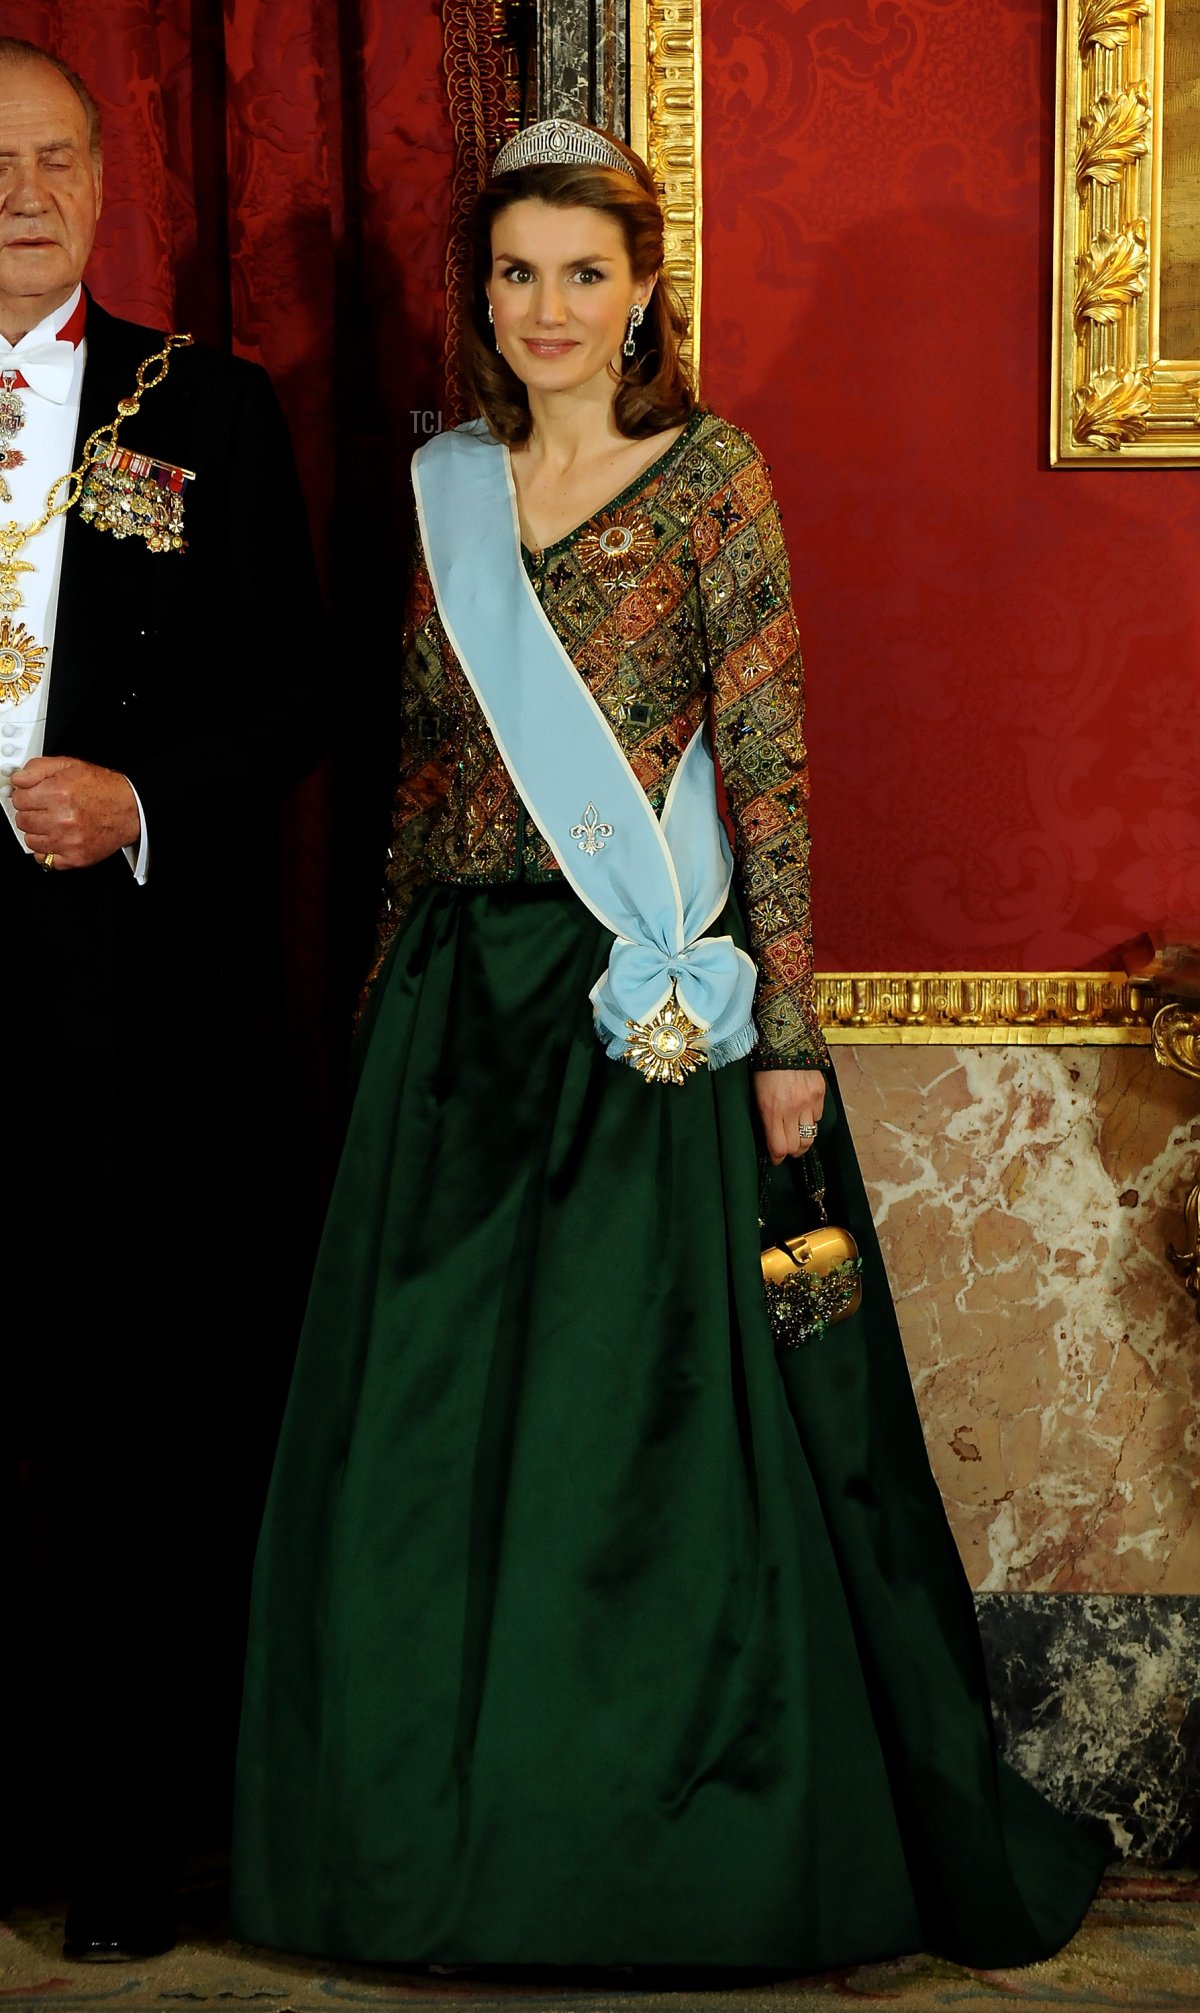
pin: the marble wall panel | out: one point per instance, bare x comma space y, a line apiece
583, 68
1097, 1701
1025, 1198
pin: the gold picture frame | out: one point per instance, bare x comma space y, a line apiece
1126, 343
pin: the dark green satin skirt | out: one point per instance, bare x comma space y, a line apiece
586, 1630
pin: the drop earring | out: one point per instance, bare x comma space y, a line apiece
637, 315
492, 320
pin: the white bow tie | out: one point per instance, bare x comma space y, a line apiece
48, 368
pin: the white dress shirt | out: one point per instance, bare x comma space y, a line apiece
47, 441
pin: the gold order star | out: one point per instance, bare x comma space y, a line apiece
22, 661
665, 1048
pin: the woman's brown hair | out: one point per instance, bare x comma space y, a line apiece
655, 390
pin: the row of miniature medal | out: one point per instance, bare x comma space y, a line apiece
132, 495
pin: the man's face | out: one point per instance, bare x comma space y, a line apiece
49, 193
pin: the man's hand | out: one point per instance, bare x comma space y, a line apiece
789, 1101
75, 811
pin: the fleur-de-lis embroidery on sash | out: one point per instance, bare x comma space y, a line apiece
590, 833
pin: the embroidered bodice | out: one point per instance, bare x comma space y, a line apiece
673, 603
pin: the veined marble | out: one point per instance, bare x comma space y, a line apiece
1096, 1702
1025, 1199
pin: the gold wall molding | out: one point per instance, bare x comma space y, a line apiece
664, 127
969, 1008
1117, 400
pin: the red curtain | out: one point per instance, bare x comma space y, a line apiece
277, 175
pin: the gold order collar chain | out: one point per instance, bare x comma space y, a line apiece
22, 659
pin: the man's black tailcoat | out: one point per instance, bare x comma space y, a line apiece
143, 1181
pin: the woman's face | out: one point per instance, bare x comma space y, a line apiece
561, 289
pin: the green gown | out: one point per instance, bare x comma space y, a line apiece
587, 1629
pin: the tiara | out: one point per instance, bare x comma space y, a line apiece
559, 143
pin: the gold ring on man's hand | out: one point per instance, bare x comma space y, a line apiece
48, 863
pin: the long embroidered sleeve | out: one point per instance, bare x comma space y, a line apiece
758, 734
673, 605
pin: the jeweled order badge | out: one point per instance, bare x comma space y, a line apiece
666, 1048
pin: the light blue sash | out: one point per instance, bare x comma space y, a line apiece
656, 884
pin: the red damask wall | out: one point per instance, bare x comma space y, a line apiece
1002, 659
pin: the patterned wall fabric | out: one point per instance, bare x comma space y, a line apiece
1001, 659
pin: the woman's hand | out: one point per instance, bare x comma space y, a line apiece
789, 1101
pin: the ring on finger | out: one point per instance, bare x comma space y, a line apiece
48, 863
807, 1131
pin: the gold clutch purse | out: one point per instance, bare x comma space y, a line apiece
813, 1280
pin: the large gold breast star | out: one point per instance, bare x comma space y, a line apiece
22, 661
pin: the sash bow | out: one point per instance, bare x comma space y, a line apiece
712, 982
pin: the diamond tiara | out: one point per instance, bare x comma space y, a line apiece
559, 143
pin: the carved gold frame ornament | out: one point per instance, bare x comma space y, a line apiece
1176, 1038
966, 1009
1117, 401
664, 128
